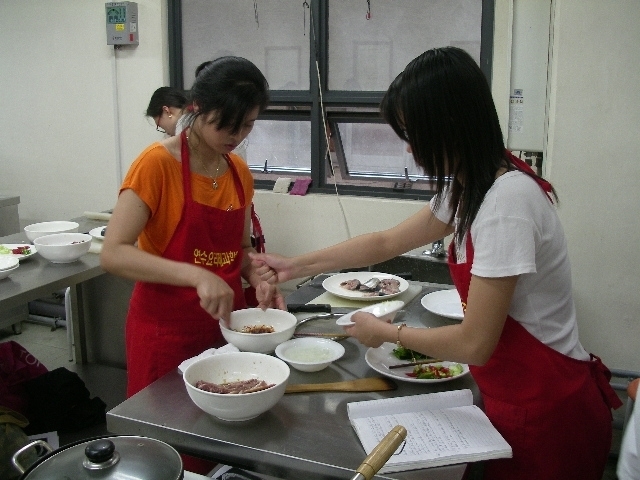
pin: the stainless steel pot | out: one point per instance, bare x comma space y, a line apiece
105, 458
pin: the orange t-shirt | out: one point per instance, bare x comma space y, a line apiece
156, 177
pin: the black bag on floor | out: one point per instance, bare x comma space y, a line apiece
59, 401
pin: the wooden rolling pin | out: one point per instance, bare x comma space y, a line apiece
381, 453
372, 384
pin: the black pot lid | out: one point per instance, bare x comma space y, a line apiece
111, 458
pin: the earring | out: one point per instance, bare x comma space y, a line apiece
170, 115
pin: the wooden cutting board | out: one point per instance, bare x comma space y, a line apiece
372, 384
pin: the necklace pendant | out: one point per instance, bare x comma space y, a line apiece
214, 185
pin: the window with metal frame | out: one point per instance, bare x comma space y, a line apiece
328, 64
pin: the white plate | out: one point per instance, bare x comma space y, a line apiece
11, 246
380, 358
332, 285
97, 233
445, 303
380, 310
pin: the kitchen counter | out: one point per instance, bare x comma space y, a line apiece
303, 436
98, 300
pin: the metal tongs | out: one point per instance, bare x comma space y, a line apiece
381, 453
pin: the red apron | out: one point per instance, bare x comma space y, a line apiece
165, 324
554, 410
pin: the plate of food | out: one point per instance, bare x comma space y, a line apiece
98, 232
18, 250
445, 303
383, 310
365, 286
385, 361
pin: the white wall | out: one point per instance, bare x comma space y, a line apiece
58, 153
58, 148
594, 162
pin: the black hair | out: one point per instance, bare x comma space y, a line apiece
201, 67
441, 104
165, 97
231, 87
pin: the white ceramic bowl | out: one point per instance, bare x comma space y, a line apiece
63, 247
231, 367
8, 262
284, 324
309, 354
36, 230
8, 271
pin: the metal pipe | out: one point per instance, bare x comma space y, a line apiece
54, 322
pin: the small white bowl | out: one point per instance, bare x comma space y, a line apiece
384, 311
36, 230
232, 367
8, 262
63, 247
8, 271
283, 322
309, 354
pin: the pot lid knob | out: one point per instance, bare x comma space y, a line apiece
100, 450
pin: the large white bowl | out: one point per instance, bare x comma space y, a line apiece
232, 367
36, 230
309, 354
283, 322
63, 247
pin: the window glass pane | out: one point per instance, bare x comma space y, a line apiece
283, 145
372, 155
374, 149
368, 54
274, 36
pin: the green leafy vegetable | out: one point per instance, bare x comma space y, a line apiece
405, 354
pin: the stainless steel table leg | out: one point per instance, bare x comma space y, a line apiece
78, 326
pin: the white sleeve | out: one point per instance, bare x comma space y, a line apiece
443, 213
503, 246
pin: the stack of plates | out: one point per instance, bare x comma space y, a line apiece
7, 265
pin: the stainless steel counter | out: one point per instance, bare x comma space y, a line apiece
304, 436
90, 286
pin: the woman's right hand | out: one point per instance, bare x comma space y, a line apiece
216, 297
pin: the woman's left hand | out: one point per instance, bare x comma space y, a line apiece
269, 296
369, 330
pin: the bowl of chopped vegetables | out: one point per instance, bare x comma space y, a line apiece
63, 247
236, 386
257, 330
408, 366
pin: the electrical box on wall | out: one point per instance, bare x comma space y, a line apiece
122, 23
529, 71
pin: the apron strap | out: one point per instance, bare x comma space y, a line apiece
602, 375
524, 167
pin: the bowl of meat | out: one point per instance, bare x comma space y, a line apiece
63, 247
257, 330
236, 386
36, 230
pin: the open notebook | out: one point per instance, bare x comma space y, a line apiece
443, 428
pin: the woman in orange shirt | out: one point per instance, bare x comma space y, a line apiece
186, 203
